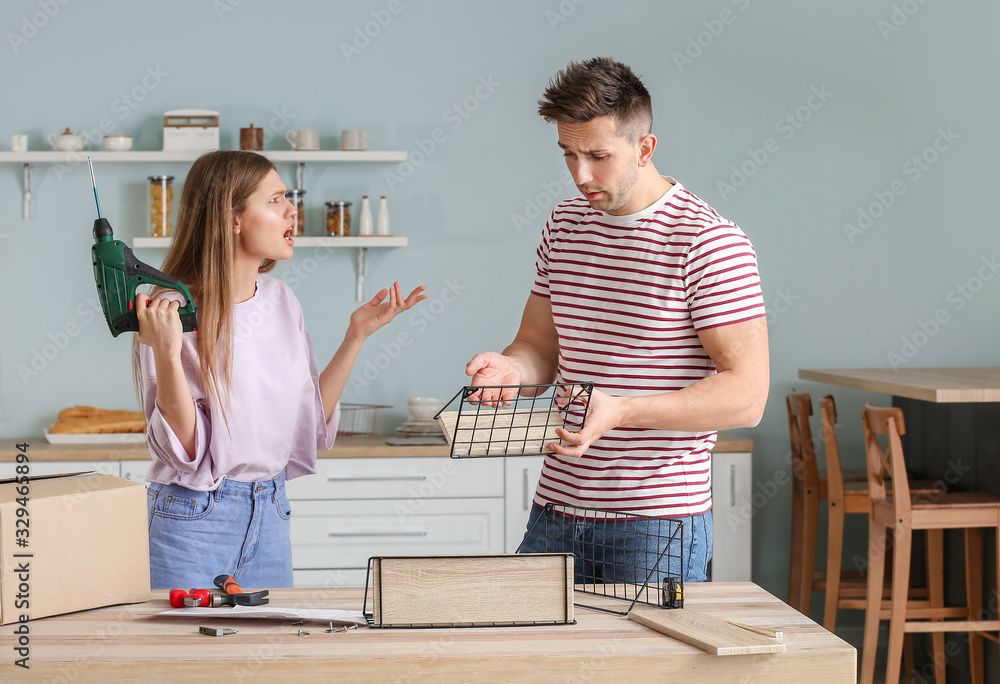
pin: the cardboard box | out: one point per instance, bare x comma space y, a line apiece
87, 545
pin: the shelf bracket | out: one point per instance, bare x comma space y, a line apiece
362, 253
27, 190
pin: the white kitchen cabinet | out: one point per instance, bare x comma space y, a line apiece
354, 508
732, 480
135, 470
521, 475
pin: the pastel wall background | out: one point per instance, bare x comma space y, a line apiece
793, 119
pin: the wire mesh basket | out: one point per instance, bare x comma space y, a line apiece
632, 557
522, 424
360, 420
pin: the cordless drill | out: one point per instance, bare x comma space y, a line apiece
118, 273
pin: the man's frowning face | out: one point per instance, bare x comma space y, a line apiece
604, 164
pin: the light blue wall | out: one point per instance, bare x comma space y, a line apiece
834, 302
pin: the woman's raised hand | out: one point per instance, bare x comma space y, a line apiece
380, 310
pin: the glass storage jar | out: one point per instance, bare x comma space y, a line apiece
161, 200
338, 219
297, 198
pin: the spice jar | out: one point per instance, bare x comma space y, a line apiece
296, 197
161, 199
338, 219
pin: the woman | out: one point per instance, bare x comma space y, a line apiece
238, 405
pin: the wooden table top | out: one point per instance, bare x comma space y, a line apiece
347, 447
131, 643
940, 385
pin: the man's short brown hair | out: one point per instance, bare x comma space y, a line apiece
599, 87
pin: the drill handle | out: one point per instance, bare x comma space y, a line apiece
148, 274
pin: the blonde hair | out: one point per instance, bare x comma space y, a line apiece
202, 255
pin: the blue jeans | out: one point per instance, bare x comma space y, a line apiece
240, 529
623, 550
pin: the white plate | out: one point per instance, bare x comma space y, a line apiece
105, 438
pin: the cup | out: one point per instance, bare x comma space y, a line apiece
117, 143
18, 143
303, 139
354, 139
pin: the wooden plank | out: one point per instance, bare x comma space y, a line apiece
500, 433
472, 590
711, 635
940, 385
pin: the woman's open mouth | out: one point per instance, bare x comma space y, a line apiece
288, 237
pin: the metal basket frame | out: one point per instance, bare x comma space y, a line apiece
494, 432
592, 557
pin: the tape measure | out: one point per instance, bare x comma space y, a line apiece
672, 593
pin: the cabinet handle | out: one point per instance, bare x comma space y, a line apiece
527, 483
732, 486
375, 478
400, 533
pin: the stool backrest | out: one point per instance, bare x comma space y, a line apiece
886, 422
834, 469
799, 405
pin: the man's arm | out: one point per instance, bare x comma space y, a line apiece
530, 359
732, 398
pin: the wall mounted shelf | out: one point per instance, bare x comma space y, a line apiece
300, 158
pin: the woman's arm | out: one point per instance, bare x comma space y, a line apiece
364, 322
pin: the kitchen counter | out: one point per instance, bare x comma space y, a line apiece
348, 447
130, 643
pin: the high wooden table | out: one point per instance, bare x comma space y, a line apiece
952, 420
132, 644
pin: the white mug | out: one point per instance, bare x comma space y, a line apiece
18, 143
354, 139
303, 139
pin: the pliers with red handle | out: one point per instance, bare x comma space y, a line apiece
203, 597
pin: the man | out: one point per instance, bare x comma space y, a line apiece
645, 290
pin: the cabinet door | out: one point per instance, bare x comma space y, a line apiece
345, 534
56, 467
415, 479
731, 548
135, 470
521, 475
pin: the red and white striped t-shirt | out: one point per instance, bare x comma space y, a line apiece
629, 294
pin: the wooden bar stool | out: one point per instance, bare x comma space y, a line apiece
810, 485
902, 512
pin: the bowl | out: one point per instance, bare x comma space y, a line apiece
117, 143
424, 408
